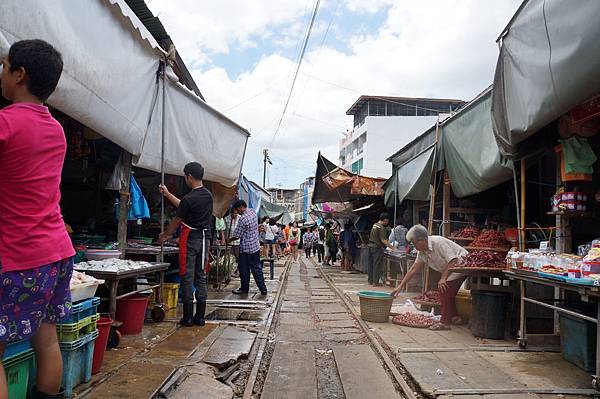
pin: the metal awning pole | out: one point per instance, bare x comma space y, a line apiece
519, 227
162, 156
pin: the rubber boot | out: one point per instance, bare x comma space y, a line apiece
35, 394
200, 311
188, 312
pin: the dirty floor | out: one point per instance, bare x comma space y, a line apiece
178, 362
452, 363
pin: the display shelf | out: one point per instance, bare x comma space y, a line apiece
570, 213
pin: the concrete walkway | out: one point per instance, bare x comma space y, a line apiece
455, 363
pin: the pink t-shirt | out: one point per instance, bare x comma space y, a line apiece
32, 152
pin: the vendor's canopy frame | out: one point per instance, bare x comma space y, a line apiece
549, 62
111, 84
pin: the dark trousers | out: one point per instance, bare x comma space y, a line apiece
250, 263
375, 268
308, 250
321, 252
194, 272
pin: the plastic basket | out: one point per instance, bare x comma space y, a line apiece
170, 296
17, 373
77, 361
16, 348
81, 310
84, 291
74, 331
375, 306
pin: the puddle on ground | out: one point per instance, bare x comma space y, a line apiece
233, 314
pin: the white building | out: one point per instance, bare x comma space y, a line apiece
382, 125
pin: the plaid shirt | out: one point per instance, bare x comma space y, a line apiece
247, 232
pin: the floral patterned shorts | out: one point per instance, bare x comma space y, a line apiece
30, 297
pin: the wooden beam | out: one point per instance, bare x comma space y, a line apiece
124, 199
447, 227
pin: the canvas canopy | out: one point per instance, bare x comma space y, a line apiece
109, 84
277, 212
548, 63
472, 159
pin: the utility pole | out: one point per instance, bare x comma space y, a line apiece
265, 160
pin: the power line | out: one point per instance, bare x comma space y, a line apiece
375, 97
333, 16
258, 94
287, 101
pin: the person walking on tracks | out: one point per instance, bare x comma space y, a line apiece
247, 232
194, 215
36, 255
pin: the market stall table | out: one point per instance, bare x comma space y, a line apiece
396, 264
585, 291
112, 278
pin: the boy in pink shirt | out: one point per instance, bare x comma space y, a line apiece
36, 254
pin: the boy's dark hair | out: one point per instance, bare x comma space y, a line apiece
195, 170
42, 63
384, 216
239, 204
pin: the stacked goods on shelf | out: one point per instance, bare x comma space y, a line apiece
573, 201
490, 239
467, 232
483, 259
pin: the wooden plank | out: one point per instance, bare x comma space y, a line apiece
292, 373
357, 364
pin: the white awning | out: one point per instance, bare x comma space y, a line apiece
109, 84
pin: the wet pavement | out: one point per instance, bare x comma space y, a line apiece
202, 361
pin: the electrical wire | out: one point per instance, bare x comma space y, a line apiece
375, 97
259, 93
299, 64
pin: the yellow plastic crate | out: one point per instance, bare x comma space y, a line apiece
464, 304
170, 296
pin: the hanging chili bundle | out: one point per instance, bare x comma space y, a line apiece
467, 232
490, 239
489, 259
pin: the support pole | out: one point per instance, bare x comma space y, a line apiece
162, 156
523, 224
517, 209
446, 206
124, 197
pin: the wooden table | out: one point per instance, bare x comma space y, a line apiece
585, 291
112, 279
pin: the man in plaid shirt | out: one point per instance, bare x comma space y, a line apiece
247, 232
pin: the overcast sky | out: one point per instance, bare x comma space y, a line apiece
242, 55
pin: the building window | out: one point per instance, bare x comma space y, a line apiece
357, 166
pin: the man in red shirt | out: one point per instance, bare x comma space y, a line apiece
36, 254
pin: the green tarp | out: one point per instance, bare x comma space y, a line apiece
278, 212
472, 157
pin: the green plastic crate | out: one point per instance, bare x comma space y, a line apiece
17, 374
72, 332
